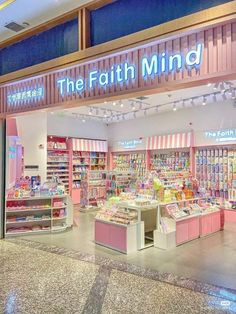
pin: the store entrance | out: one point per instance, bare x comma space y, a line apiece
147, 180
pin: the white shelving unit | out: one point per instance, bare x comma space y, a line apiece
38, 215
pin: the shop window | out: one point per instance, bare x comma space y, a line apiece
55, 42
124, 17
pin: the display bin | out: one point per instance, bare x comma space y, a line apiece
122, 238
163, 240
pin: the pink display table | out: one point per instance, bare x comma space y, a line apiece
122, 238
210, 223
187, 229
230, 215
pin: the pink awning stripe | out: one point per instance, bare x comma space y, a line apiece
89, 145
178, 140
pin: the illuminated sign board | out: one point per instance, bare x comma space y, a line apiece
130, 144
24, 95
123, 73
228, 135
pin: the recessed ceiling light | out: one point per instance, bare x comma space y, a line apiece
6, 3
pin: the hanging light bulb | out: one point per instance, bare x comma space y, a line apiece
204, 101
121, 104
90, 111
114, 103
209, 84
174, 107
192, 102
83, 120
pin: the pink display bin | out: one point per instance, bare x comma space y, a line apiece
187, 229
76, 196
121, 238
230, 215
210, 223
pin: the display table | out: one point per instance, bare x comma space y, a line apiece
179, 230
210, 222
147, 223
122, 238
187, 229
39, 214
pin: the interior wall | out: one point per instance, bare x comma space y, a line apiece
32, 131
210, 117
72, 127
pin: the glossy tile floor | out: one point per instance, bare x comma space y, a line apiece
211, 259
38, 278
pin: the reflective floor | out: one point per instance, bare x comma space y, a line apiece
210, 260
39, 278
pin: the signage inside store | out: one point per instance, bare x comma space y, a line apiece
227, 135
130, 143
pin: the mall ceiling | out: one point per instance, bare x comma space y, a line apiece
30, 13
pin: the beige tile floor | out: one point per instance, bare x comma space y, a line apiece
38, 281
211, 259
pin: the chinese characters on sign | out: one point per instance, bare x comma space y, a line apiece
36, 93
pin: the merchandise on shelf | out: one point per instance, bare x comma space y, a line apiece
195, 207
120, 181
81, 164
170, 161
117, 215
130, 162
58, 160
216, 170
96, 186
36, 213
97, 161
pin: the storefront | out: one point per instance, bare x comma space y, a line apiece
164, 185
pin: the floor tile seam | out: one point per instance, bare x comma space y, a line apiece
26, 243
93, 295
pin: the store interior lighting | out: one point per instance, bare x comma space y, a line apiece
121, 110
